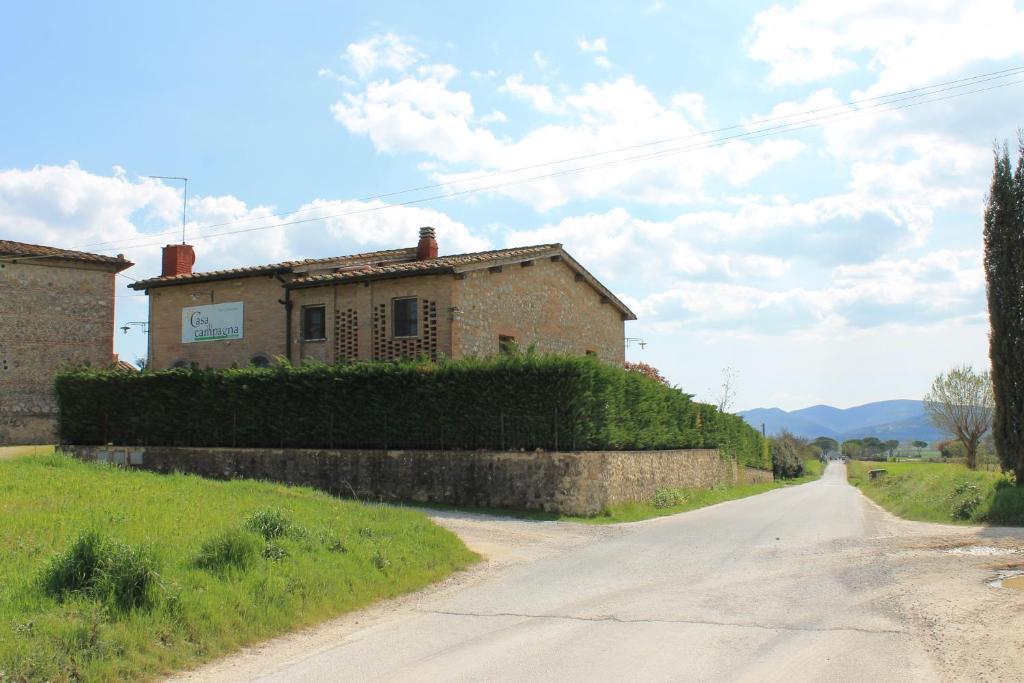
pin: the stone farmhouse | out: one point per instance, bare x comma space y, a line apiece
382, 305
56, 308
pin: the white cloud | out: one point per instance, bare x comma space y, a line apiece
640, 253
417, 114
437, 72
596, 45
495, 116
379, 52
941, 285
906, 44
426, 116
692, 104
69, 207
539, 96
602, 62
540, 60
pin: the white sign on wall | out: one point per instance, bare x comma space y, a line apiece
216, 322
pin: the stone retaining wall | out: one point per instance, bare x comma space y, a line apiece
577, 483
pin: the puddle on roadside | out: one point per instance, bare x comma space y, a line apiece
981, 550
1014, 582
1013, 579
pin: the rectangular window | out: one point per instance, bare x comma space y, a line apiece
404, 318
313, 323
506, 344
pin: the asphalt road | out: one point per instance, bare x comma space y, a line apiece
772, 587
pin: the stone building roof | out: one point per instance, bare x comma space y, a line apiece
20, 251
442, 264
393, 263
277, 268
459, 263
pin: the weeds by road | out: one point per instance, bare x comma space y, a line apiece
108, 574
663, 502
941, 492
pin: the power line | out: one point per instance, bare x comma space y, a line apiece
881, 100
758, 134
812, 122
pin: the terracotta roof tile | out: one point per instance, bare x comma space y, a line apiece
10, 249
393, 263
439, 264
270, 268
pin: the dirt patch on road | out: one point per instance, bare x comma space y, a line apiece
972, 627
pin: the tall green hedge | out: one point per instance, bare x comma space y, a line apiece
503, 402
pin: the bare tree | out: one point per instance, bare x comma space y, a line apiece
960, 402
726, 396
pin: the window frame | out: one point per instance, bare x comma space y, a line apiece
415, 320
507, 344
306, 311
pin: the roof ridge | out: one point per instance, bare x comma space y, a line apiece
261, 268
14, 248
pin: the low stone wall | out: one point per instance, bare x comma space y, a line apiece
577, 483
18, 429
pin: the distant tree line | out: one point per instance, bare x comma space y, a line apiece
869, 448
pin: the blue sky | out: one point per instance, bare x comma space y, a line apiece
837, 264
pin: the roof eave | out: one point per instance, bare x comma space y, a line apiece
627, 314
113, 265
323, 282
154, 283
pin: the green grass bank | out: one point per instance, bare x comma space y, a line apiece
941, 492
664, 502
675, 501
107, 574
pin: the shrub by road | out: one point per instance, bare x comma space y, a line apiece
942, 492
502, 402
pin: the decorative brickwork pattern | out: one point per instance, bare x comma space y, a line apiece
346, 335
386, 347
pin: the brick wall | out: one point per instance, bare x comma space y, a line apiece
263, 322
359, 319
543, 304
579, 483
51, 314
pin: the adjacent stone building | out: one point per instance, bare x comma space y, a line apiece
381, 305
56, 307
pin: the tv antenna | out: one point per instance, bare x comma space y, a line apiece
184, 200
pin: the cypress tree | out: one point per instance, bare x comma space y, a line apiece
1004, 274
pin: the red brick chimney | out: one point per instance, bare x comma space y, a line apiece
178, 260
427, 248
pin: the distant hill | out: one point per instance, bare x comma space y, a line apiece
903, 420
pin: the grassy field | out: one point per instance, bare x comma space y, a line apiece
941, 492
110, 574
